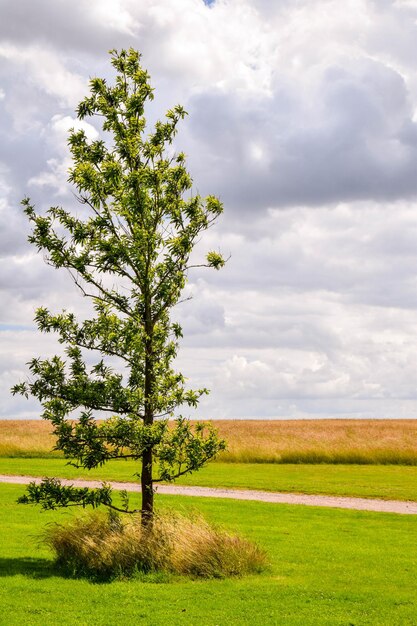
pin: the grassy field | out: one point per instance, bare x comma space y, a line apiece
328, 568
261, 441
371, 481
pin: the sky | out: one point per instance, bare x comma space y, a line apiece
303, 120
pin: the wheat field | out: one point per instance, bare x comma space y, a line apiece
320, 441
265, 441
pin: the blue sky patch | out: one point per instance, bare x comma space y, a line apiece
15, 327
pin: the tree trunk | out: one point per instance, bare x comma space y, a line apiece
147, 470
147, 489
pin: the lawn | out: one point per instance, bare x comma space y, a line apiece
371, 481
328, 567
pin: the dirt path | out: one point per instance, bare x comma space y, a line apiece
341, 502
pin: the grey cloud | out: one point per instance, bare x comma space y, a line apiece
317, 297
358, 141
364, 253
12, 233
394, 35
66, 25
273, 329
201, 316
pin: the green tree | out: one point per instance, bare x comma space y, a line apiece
129, 253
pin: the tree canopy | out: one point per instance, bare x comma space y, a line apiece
128, 250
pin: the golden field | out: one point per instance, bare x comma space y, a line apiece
320, 441
266, 441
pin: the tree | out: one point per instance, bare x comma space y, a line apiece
130, 254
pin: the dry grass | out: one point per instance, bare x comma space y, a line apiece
26, 438
320, 441
267, 441
109, 546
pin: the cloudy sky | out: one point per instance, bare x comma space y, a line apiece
303, 119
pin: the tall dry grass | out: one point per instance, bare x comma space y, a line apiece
110, 546
26, 438
266, 441
320, 441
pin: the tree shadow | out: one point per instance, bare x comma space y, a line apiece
31, 567
38, 569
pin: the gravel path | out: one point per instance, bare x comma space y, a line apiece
341, 502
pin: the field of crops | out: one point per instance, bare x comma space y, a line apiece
266, 441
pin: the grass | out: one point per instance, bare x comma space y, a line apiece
262, 441
369, 481
328, 568
320, 441
26, 438
104, 546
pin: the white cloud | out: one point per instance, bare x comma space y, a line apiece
43, 67
113, 15
303, 119
56, 135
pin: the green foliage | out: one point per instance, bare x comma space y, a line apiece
129, 253
51, 494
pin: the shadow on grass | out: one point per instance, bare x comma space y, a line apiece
27, 566
38, 569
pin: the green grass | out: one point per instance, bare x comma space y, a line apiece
370, 481
328, 568
310, 457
